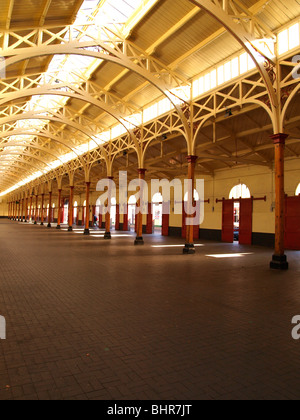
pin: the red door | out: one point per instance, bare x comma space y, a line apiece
83, 216
246, 211
165, 219
135, 219
125, 220
197, 226
100, 217
149, 230
292, 223
183, 230
227, 221
117, 217
62, 217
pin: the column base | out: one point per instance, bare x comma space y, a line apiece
70, 229
49, 225
279, 262
107, 235
86, 231
35, 223
139, 241
189, 249
58, 227
25, 221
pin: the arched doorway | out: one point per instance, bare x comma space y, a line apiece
83, 215
66, 212
157, 212
113, 213
76, 213
101, 217
238, 192
53, 218
131, 212
99, 212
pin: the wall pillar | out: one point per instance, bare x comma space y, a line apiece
26, 209
22, 211
18, 211
50, 210
139, 216
59, 210
71, 209
36, 209
42, 210
279, 260
107, 234
189, 243
30, 209
87, 209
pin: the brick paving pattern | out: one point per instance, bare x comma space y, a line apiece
94, 319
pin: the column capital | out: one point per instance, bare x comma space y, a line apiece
110, 178
279, 138
142, 171
192, 159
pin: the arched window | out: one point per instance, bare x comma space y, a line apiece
132, 200
99, 202
75, 209
113, 212
240, 191
131, 210
157, 210
237, 192
157, 198
298, 190
196, 196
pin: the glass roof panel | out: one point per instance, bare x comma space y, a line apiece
107, 13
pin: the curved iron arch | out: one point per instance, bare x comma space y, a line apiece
248, 101
243, 39
65, 120
33, 146
288, 102
114, 56
27, 155
23, 132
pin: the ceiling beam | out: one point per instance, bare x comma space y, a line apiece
9, 14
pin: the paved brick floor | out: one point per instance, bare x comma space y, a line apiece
91, 319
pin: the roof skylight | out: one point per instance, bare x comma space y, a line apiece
113, 14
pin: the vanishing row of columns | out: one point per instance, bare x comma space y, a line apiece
279, 260
25, 210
